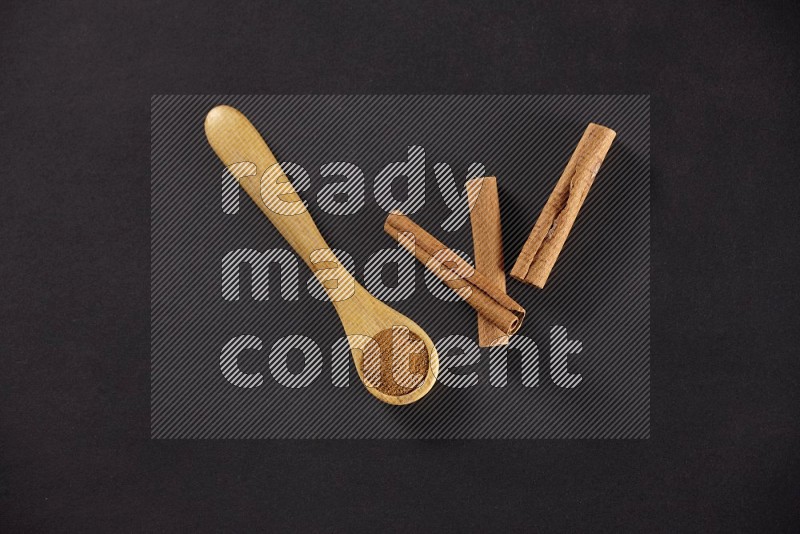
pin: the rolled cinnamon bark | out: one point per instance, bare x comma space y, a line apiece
480, 293
547, 238
487, 241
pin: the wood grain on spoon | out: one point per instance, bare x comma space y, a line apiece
364, 318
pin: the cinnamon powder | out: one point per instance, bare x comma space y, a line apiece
403, 355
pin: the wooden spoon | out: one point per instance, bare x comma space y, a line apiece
389, 349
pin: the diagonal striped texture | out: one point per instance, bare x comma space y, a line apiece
266, 359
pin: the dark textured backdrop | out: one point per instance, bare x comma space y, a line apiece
74, 324
599, 292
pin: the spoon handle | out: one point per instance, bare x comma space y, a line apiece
247, 156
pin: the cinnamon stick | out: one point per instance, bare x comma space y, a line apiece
487, 242
547, 238
480, 293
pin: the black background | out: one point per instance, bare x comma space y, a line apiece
74, 331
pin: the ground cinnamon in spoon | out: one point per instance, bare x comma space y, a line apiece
403, 355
